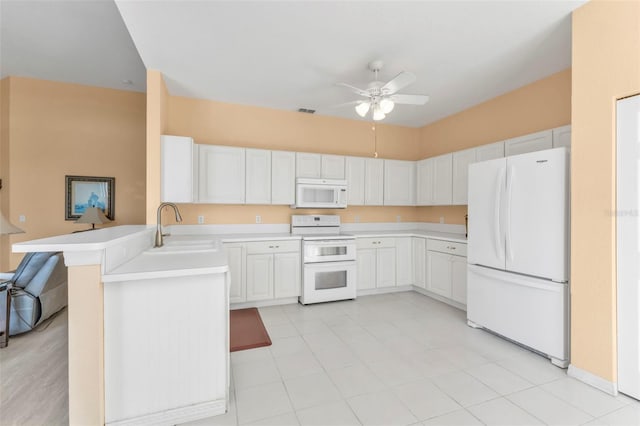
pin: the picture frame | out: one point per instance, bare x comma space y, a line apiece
89, 191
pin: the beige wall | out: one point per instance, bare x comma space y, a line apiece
59, 129
541, 105
606, 67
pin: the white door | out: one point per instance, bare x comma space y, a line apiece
332, 167
424, 182
490, 151
176, 170
283, 177
220, 174
404, 261
459, 279
386, 267
286, 274
373, 181
461, 161
536, 214
366, 269
235, 256
486, 192
259, 277
442, 179
258, 176
439, 273
355, 180
419, 262
529, 143
308, 165
628, 231
399, 183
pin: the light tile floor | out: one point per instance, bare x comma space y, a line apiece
402, 359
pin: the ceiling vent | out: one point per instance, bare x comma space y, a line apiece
306, 110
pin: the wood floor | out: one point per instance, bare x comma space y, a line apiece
36, 395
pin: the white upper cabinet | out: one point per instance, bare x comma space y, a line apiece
221, 174
442, 179
490, 151
355, 174
529, 143
176, 170
308, 165
461, 161
332, 167
374, 181
424, 184
562, 137
399, 183
283, 177
258, 176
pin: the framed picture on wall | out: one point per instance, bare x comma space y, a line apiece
84, 192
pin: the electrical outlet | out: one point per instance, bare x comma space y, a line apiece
441, 219
200, 220
22, 218
398, 218
357, 219
258, 219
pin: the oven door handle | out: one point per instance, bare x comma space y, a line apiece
330, 242
330, 265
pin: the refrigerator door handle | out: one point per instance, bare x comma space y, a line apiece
509, 246
497, 229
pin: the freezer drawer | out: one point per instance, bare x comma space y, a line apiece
531, 311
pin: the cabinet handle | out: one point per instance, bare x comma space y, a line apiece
270, 246
277, 246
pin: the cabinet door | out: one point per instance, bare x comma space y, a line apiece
220, 174
442, 179
461, 161
419, 262
283, 177
259, 277
355, 180
404, 261
424, 184
529, 143
386, 267
308, 165
176, 170
490, 151
399, 183
366, 268
235, 256
459, 279
373, 181
562, 137
258, 176
332, 167
439, 273
286, 274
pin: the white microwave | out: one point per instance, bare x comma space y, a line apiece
321, 194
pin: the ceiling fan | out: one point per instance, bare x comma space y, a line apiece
381, 97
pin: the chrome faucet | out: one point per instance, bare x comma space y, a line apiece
159, 235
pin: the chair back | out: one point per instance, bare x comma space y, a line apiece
29, 267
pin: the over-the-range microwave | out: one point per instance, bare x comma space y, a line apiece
320, 193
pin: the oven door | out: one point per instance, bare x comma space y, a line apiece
329, 251
326, 282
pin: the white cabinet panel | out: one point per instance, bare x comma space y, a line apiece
259, 277
386, 267
283, 177
235, 256
366, 268
399, 183
562, 137
529, 143
355, 174
176, 170
490, 151
419, 262
404, 261
459, 279
221, 174
373, 182
258, 176
439, 273
332, 167
424, 184
461, 161
442, 179
308, 165
286, 275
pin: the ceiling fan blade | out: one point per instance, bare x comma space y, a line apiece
398, 82
354, 89
409, 99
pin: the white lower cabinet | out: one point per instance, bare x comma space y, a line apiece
404, 261
439, 277
447, 269
459, 279
259, 277
386, 267
419, 262
376, 263
236, 260
286, 275
366, 268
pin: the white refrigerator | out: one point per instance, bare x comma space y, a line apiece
518, 250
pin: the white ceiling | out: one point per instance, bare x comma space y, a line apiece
290, 54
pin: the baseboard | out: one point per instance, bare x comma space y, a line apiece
177, 415
440, 298
591, 379
384, 290
263, 303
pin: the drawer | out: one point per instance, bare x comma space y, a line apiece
277, 246
449, 247
365, 243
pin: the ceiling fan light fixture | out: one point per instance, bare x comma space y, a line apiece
386, 105
378, 114
362, 108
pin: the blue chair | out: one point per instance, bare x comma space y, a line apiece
39, 290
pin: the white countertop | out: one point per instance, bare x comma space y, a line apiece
81, 241
448, 236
